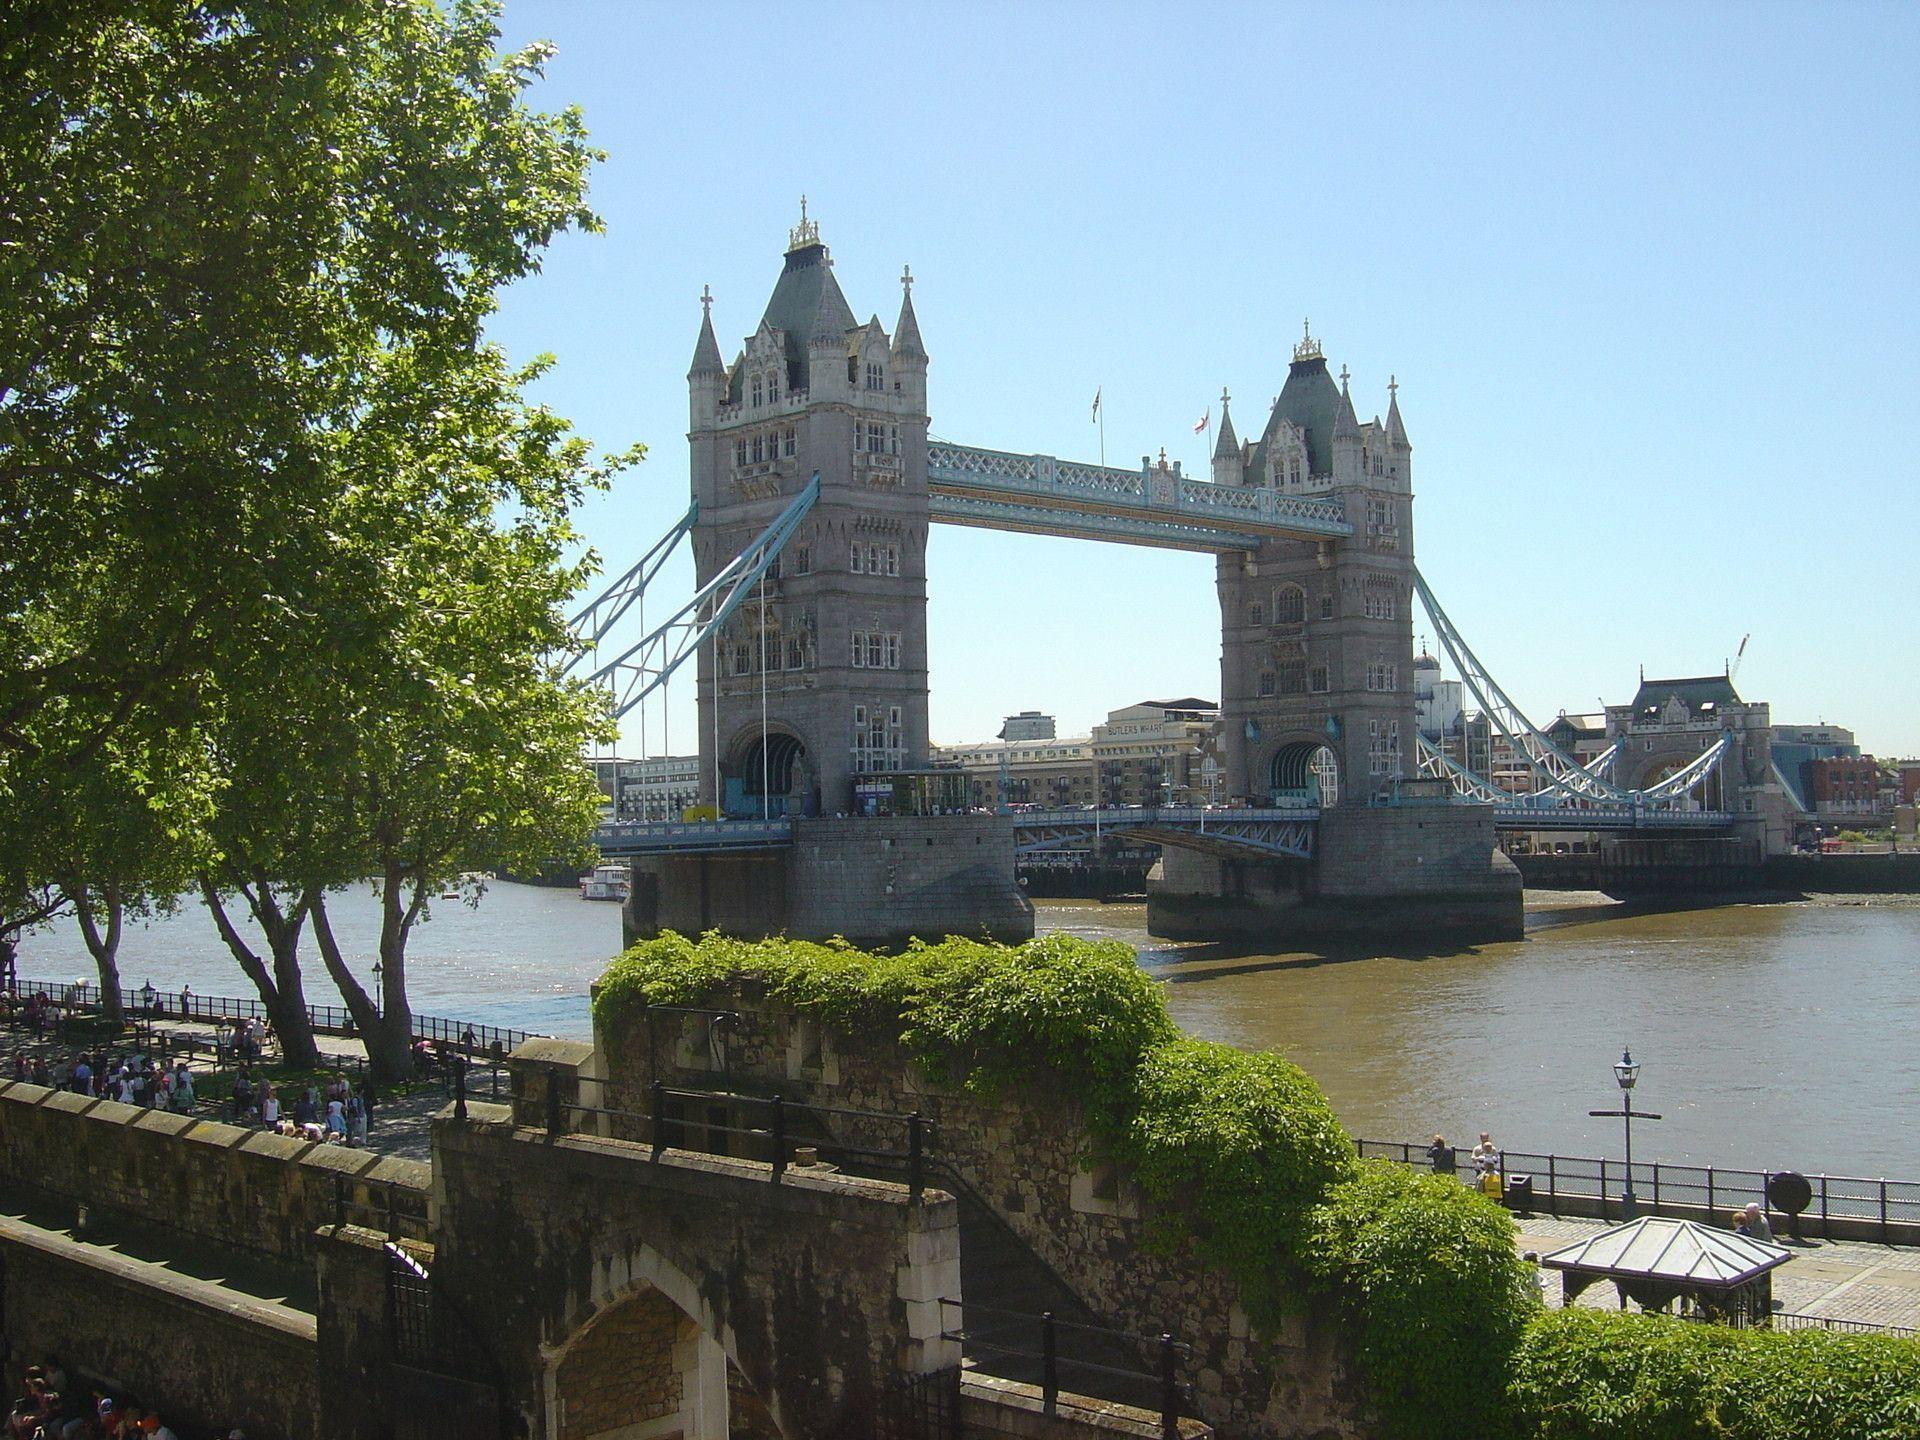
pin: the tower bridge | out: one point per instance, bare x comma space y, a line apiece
814, 484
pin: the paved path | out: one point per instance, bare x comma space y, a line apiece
1838, 1279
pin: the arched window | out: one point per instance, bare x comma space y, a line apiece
773, 387
1256, 614
758, 390
874, 376
1289, 605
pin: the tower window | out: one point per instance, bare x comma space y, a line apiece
1256, 614
874, 376
802, 560
1326, 606
1266, 683
1289, 605
858, 565
1317, 680
876, 439
786, 442
740, 452
757, 390
773, 387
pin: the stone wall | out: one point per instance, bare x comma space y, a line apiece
878, 882
1026, 1156
243, 1188
1388, 872
208, 1358
622, 1372
820, 1289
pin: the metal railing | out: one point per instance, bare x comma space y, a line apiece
1018, 1335
664, 1125
1874, 1201
472, 1038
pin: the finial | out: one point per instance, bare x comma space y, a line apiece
805, 233
1224, 397
706, 300
1393, 386
1308, 348
1163, 457
906, 278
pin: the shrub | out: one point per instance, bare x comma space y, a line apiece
1425, 1272
1238, 1145
1595, 1375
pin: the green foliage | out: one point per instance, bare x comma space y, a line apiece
1425, 1271
965, 1009
1594, 1375
1239, 1145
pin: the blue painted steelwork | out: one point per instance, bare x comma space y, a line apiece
605, 610
1265, 831
1004, 490
644, 667
701, 837
1515, 816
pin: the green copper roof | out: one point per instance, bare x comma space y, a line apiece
807, 302
1310, 399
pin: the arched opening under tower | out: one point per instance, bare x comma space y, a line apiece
1704, 796
770, 778
1304, 773
640, 1367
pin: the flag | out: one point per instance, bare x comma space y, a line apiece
1096, 406
1204, 421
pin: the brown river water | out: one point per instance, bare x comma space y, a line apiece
1771, 1036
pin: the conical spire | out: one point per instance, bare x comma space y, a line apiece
1396, 432
1228, 445
906, 331
1345, 426
706, 352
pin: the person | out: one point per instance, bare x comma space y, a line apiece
242, 1095
156, 1428
303, 1111
269, 1108
1486, 1157
82, 1075
336, 1119
42, 1075
186, 1002
356, 1120
1441, 1156
21, 1071
1740, 1223
183, 1098
1758, 1226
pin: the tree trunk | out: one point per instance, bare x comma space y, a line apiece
281, 992
387, 1068
104, 946
398, 911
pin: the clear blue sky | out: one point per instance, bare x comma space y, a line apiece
1646, 276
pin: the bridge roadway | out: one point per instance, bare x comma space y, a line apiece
1040, 494
1262, 832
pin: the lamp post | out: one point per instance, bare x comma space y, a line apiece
378, 971
1626, 1070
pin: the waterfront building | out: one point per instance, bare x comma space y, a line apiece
1150, 753
1027, 725
1795, 747
1843, 785
1045, 771
1438, 703
658, 788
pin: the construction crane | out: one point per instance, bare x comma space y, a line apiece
1738, 656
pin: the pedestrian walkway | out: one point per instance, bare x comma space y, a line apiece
1844, 1280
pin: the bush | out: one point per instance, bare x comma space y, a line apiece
1595, 1375
1240, 1146
1425, 1272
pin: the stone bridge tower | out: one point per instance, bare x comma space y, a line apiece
1316, 666
836, 657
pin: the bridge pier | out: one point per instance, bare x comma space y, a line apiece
878, 882
1378, 873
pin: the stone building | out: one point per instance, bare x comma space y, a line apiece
1317, 675
1155, 752
1049, 772
834, 656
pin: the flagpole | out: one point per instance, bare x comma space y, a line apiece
1103, 436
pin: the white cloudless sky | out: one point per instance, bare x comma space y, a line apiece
1646, 276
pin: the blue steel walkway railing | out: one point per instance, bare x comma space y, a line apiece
691, 837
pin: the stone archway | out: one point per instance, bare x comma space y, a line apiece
778, 764
1304, 772
651, 1359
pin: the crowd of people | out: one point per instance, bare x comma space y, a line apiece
132, 1079
49, 1407
337, 1113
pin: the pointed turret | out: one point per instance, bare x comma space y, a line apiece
906, 331
1228, 444
706, 350
1348, 462
1396, 432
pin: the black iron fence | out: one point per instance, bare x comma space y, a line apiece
145, 1003
988, 1333
767, 1128
1876, 1202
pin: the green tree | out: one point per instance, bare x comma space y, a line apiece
245, 246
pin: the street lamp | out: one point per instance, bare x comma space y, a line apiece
1626, 1070
378, 971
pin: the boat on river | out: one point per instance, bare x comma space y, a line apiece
606, 882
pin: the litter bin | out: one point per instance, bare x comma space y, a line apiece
1519, 1194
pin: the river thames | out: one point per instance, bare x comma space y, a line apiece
1779, 1036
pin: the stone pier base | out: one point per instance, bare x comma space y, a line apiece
1387, 873
878, 882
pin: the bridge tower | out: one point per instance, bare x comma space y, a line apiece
825, 679
1316, 666
1317, 702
